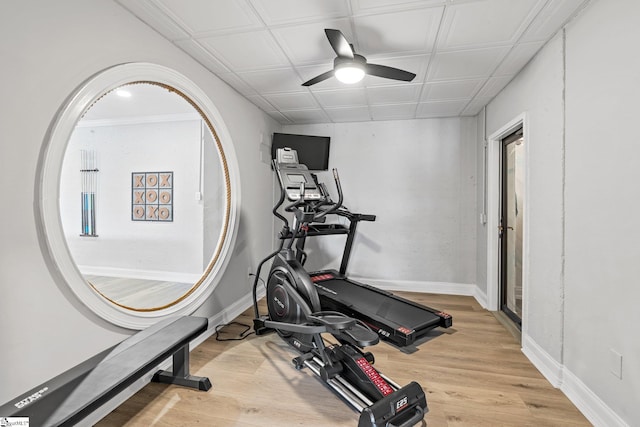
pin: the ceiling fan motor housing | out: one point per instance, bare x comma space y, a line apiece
358, 61
350, 70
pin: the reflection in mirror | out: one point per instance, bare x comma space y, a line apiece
143, 197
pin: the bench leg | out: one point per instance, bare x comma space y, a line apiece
180, 373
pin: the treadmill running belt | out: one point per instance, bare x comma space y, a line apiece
371, 303
384, 309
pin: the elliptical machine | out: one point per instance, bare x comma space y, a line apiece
295, 313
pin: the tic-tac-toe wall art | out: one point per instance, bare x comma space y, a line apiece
152, 196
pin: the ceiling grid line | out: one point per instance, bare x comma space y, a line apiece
524, 31
429, 64
290, 62
355, 41
265, 50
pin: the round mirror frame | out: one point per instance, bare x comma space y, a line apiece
48, 191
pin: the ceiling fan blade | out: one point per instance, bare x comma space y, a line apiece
339, 43
318, 79
389, 72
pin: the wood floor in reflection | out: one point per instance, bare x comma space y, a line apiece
474, 374
139, 293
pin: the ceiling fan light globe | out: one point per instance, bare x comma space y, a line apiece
349, 74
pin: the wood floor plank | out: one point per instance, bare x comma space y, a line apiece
474, 374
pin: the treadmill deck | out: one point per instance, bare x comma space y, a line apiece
394, 318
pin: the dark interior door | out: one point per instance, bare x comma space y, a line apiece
511, 225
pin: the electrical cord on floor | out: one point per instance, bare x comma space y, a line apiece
245, 333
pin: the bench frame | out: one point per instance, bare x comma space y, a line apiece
73, 395
180, 375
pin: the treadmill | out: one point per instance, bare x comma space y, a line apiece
397, 320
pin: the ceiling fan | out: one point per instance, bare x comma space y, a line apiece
349, 67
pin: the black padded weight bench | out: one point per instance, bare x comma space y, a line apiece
71, 396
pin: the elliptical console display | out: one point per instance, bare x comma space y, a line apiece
294, 176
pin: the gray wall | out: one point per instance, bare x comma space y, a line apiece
602, 295
580, 94
538, 90
48, 49
418, 177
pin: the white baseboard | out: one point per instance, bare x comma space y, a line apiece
480, 296
445, 288
591, 406
547, 365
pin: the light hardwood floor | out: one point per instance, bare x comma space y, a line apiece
474, 374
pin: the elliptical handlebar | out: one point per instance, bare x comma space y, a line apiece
336, 205
291, 207
281, 199
315, 206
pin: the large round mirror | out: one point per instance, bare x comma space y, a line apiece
144, 194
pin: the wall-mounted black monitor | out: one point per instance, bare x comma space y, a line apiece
313, 151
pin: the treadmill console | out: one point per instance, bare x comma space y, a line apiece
293, 174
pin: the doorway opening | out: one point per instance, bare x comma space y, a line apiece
511, 227
504, 269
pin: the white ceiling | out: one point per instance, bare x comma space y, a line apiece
463, 52
146, 102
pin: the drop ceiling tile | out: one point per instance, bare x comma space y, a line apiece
413, 31
306, 116
397, 94
246, 51
459, 89
493, 86
265, 49
466, 64
475, 106
486, 23
275, 12
149, 13
279, 117
200, 54
393, 111
208, 17
269, 81
292, 101
238, 84
440, 108
550, 19
348, 114
377, 6
416, 64
307, 43
518, 58
261, 103
342, 97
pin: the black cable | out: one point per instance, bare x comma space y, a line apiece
259, 278
245, 333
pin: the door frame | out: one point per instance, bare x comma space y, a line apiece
494, 191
